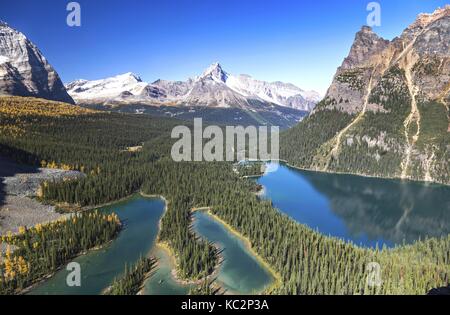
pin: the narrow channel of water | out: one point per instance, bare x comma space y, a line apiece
366, 211
99, 268
162, 282
240, 272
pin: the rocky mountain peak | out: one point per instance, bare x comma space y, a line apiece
425, 19
422, 50
365, 29
24, 71
390, 98
366, 44
434, 40
213, 88
215, 72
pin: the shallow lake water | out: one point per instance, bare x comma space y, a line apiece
99, 268
240, 272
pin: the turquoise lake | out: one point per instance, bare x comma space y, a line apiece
140, 217
240, 272
366, 211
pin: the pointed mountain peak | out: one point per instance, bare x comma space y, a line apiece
366, 44
366, 29
214, 65
215, 72
367, 32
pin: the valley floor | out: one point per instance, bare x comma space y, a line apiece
18, 187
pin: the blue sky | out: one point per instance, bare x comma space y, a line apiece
297, 41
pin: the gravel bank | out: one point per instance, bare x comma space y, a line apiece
18, 185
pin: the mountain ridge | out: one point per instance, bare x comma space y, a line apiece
386, 112
213, 88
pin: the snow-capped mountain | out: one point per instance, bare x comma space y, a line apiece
214, 88
24, 71
118, 86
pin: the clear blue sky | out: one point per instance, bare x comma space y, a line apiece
298, 41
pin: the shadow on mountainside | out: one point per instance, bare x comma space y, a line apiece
20, 182
12, 163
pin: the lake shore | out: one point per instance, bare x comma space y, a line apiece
50, 275
361, 175
164, 246
248, 246
140, 216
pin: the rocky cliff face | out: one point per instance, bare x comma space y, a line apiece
422, 49
386, 112
24, 71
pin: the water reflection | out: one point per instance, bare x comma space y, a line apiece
363, 210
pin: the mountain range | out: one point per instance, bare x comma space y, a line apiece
215, 95
386, 113
213, 88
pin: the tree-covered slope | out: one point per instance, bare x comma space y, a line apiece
386, 113
306, 261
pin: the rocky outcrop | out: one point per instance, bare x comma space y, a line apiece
366, 45
395, 90
423, 47
24, 71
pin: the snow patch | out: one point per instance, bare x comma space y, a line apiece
106, 88
3, 59
214, 87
